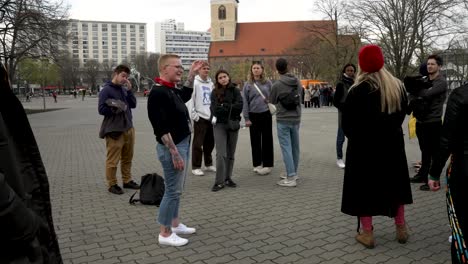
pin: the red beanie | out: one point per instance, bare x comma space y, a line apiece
371, 58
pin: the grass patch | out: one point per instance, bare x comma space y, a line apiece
35, 111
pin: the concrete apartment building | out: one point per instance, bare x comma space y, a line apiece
105, 41
170, 37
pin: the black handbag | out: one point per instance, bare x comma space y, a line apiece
233, 125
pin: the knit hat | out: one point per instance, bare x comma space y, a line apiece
371, 58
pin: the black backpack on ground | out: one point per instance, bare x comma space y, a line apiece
290, 100
151, 190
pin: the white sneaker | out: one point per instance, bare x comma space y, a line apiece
172, 240
340, 163
198, 172
256, 169
287, 183
183, 230
283, 176
264, 171
211, 168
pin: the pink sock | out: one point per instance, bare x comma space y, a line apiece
400, 215
366, 222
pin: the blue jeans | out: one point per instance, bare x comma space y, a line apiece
174, 181
340, 139
288, 137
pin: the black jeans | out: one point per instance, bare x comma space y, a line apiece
261, 139
429, 141
203, 143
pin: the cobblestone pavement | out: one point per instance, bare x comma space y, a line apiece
258, 222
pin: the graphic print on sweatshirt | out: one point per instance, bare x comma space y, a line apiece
206, 95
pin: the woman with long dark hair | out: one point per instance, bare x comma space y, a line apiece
226, 107
258, 118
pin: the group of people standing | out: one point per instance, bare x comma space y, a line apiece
212, 117
372, 106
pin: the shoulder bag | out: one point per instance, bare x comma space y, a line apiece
271, 106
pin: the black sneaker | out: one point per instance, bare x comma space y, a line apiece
131, 185
417, 179
230, 183
217, 187
115, 189
424, 187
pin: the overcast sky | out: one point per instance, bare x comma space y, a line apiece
194, 13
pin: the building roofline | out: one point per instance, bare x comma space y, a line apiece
97, 21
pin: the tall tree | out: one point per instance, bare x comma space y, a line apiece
30, 28
91, 71
403, 27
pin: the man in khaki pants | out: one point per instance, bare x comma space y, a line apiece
115, 102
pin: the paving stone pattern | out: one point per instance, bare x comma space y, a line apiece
258, 222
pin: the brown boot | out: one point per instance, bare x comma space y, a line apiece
366, 238
402, 233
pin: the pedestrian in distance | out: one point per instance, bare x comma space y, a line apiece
454, 143
372, 118
307, 97
115, 103
54, 95
285, 94
172, 127
226, 107
258, 119
345, 82
203, 139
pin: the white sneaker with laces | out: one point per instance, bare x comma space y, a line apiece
198, 172
182, 229
283, 176
256, 169
287, 183
172, 240
340, 163
211, 168
264, 171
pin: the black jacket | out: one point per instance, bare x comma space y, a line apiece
454, 135
232, 99
27, 232
341, 91
168, 113
375, 155
434, 97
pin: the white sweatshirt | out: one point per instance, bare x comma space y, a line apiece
201, 98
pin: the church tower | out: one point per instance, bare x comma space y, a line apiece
223, 20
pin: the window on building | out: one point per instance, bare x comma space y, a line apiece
114, 28
222, 12
142, 28
95, 27
221, 32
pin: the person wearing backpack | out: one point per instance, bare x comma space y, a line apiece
286, 95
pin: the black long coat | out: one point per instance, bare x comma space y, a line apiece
376, 179
27, 232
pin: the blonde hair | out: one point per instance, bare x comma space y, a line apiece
391, 89
162, 62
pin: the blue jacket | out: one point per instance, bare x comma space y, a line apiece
117, 92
